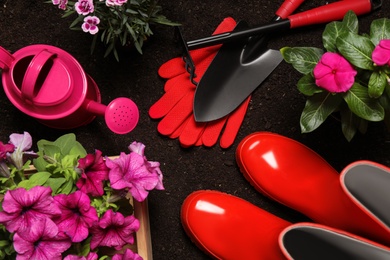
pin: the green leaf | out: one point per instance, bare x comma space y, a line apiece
55, 184
349, 122
318, 107
351, 22
360, 103
66, 143
303, 59
330, 34
380, 29
36, 179
336, 28
377, 84
66, 188
356, 49
307, 86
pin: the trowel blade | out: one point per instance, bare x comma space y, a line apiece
228, 81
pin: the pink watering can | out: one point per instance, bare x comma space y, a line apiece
47, 83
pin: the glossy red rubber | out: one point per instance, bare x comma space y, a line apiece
294, 175
227, 227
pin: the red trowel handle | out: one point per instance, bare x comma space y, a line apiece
332, 12
288, 7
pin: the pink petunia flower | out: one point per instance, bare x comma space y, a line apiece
84, 7
138, 147
23, 210
4, 150
44, 243
22, 143
62, 4
90, 256
130, 172
114, 230
90, 24
77, 215
94, 173
127, 255
381, 53
334, 73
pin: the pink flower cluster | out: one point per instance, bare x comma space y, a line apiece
335, 74
45, 226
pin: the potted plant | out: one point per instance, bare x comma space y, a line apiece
348, 77
71, 204
115, 22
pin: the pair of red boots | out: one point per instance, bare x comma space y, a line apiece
351, 210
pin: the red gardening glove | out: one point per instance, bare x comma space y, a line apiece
175, 107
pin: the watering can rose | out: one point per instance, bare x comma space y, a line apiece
334, 73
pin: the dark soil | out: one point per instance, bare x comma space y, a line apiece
275, 106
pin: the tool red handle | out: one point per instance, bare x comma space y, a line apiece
288, 7
331, 12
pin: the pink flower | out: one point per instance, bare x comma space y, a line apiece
334, 73
115, 2
90, 256
381, 53
128, 255
139, 148
90, 24
84, 7
22, 209
94, 172
4, 149
22, 143
77, 215
130, 172
42, 243
61, 3
114, 230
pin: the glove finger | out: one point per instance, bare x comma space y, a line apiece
233, 124
170, 99
213, 130
178, 82
177, 115
172, 68
179, 130
192, 132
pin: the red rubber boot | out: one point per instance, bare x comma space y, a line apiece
294, 175
229, 228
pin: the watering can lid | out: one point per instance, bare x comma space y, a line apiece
47, 82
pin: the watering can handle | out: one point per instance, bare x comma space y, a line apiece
33, 70
6, 58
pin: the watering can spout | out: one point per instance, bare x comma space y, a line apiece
6, 59
95, 108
